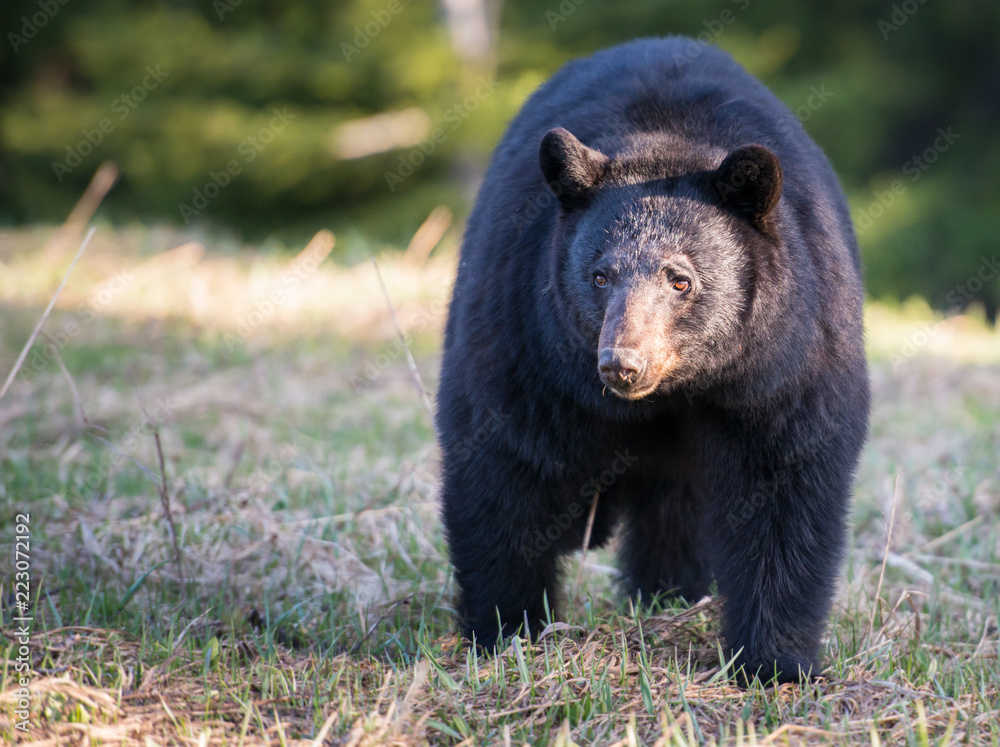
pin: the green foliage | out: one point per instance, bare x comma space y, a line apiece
872, 82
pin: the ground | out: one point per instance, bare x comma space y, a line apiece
311, 599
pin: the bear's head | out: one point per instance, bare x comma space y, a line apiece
655, 258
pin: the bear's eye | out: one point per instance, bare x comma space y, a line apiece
600, 281
681, 285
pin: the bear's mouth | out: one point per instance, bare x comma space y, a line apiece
632, 391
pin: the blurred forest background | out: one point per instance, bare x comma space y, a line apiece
268, 119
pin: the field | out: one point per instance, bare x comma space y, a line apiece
231, 484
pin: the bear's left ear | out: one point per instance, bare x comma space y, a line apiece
749, 182
571, 169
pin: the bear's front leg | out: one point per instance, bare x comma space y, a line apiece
505, 535
662, 550
778, 541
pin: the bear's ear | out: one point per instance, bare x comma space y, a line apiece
749, 182
571, 169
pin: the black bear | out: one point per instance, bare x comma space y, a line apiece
659, 307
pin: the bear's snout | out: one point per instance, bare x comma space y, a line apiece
621, 368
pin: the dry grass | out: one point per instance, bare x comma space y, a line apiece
301, 474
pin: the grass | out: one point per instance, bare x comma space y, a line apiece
315, 597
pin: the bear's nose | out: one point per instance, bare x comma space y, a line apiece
620, 367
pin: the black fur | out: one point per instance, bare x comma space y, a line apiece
714, 390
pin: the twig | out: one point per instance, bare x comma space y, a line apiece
586, 541
928, 579
100, 184
915, 610
950, 534
975, 565
318, 248
164, 491
430, 233
81, 416
237, 456
885, 557
418, 382
899, 603
165, 500
910, 568
124, 454
45, 315
388, 611
152, 672
982, 639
